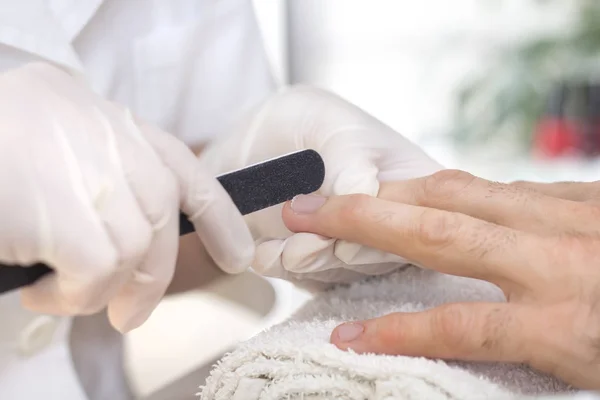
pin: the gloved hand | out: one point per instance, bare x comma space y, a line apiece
96, 194
359, 152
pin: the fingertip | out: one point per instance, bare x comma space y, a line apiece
32, 300
224, 232
290, 218
348, 336
235, 262
301, 213
268, 257
124, 326
119, 326
124, 320
287, 208
334, 338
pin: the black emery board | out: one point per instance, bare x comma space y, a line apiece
253, 188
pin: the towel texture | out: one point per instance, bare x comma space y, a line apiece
294, 360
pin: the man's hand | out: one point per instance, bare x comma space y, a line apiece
539, 243
96, 194
359, 152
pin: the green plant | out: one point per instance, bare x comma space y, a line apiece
509, 97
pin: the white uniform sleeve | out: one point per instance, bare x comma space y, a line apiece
221, 71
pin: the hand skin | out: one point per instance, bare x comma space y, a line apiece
195, 268
540, 243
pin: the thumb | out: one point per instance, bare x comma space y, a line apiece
461, 331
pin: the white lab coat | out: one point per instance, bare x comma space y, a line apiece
191, 66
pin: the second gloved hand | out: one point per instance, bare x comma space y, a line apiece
359, 151
96, 195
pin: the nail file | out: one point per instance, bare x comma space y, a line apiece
253, 188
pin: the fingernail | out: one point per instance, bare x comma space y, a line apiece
307, 204
350, 331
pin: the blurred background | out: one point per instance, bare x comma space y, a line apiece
503, 88
506, 89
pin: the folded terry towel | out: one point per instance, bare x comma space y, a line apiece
294, 360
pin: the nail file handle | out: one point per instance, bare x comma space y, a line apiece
252, 189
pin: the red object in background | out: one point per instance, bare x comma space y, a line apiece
557, 137
570, 125
557, 133
596, 132
591, 139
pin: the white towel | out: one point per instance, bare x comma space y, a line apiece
294, 360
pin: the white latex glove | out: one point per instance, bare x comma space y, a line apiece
359, 152
96, 194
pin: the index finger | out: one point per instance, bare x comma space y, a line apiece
448, 242
217, 221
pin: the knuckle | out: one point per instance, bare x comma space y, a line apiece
158, 212
445, 184
93, 281
568, 249
593, 209
495, 327
520, 183
436, 228
450, 325
132, 240
104, 268
355, 208
516, 189
136, 247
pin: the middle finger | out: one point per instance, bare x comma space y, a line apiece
508, 205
